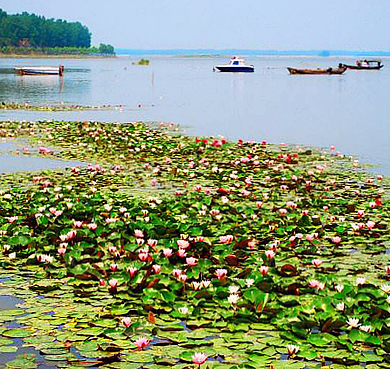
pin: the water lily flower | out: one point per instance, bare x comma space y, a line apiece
156, 268
182, 277
183, 244
214, 211
205, 284
372, 204
183, 310
196, 285
113, 282
108, 207
263, 270
270, 254
221, 273
385, 288
282, 211
132, 271
114, 267
249, 282
387, 269
310, 237
12, 255
365, 328
126, 322
370, 224
198, 358
360, 213
139, 241
353, 323
360, 280
226, 239
176, 273
138, 233
143, 256
316, 262
340, 306
336, 240
233, 289
388, 299
292, 349
199, 239
12, 219
314, 283
191, 261
142, 342
167, 252
233, 298
182, 253
339, 288
62, 250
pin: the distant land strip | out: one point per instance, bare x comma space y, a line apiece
248, 52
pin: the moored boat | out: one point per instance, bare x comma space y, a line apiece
235, 65
40, 70
340, 70
371, 64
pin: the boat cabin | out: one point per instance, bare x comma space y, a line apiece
369, 63
236, 61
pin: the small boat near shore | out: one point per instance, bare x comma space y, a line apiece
235, 65
340, 70
40, 70
371, 64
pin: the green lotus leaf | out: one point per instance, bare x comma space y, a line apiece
17, 333
8, 349
92, 331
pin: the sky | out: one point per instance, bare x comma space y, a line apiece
361, 25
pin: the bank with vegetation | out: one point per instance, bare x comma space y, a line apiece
167, 250
27, 34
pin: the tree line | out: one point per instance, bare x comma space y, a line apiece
28, 32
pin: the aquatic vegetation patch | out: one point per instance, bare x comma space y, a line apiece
55, 107
177, 251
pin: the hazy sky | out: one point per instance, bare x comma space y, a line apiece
219, 24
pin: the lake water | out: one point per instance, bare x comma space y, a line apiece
350, 111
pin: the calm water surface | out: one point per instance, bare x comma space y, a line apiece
350, 111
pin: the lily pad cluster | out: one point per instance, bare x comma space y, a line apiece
169, 250
56, 107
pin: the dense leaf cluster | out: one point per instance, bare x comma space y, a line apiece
32, 30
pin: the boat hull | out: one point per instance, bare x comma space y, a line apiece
39, 70
229, 68
378, 67
317, 71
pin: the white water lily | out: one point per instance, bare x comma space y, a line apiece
292, 349
340, 306
360, 280
233, 298
353, 323
385, 288
233, 289
339, 288
365, 328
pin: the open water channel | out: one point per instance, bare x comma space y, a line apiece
350, 111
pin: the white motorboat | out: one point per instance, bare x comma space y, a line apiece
235, 65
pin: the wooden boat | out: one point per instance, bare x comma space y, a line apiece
40, 70
235, 65
340, 70
371, 64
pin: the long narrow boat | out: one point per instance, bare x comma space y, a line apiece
339, 70
372, 64
40, 70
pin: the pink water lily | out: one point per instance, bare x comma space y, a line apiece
132, 271
138, 233
183, 244
221, 273
191, 261
168, 252
263, 270
316, 262
198, 358
156, 269
142, 342
126, 322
